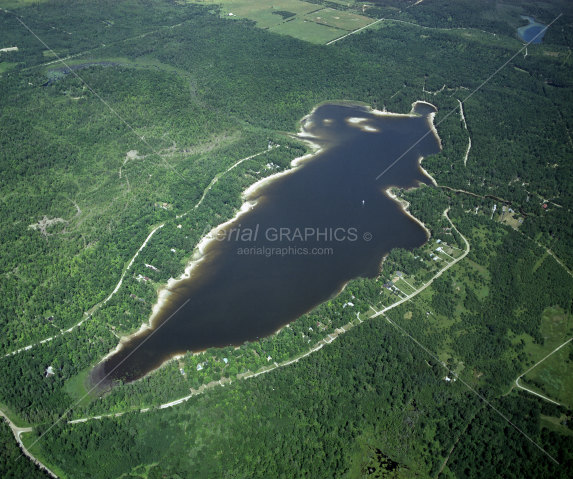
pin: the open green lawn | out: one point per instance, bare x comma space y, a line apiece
555, 372
76, 388
335, 18
555, 324
261, 12
554, 424
555, 375
6, 66
308, 31
310, 22
346, 3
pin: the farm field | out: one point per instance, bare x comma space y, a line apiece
335, 18
302, 20
308, 31
264, 14
346, 3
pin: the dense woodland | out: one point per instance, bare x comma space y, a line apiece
322, 417
11, 467
206, 94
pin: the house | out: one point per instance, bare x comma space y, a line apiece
269, 358
179, 226
49, 372
199, 367
152, 267
438, 241
173, 250
225, 360
182, 371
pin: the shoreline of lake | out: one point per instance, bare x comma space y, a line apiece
198, 255
313, 134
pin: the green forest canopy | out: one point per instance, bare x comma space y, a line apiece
210, 92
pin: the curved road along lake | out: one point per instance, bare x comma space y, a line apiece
337, 223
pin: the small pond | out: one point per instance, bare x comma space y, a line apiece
531, 32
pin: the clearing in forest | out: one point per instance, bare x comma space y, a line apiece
295, 18
338, 19
308, 31
552, 376
265, 14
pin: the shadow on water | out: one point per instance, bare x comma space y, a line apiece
337, 224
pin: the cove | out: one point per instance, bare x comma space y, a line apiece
529, 32
299, 238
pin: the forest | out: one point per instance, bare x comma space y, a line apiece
81, 192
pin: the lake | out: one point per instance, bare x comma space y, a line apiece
529, 32
255, 277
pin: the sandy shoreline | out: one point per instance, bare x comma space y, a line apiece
249, 201
431, 117
198, 255
405, 205
426, 173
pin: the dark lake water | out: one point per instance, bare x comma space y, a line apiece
333, 200
529, 32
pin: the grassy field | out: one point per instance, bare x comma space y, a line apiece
76, 388
261, 12
304, 24
141, 63
346, 3
554, 424
6, 66
308, 31
555, 374
512, 220
555, 324
343, 20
